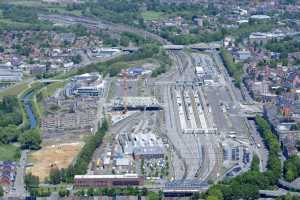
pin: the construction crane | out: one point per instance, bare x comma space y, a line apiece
125, 87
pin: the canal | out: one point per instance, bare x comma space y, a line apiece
28, 109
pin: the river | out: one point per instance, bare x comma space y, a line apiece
28, 109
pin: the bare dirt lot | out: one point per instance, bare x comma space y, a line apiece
59, 155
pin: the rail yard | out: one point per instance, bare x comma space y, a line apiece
189, 130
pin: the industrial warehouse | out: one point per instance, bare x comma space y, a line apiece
136, 103
86, 181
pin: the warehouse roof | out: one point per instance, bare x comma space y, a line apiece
110, 176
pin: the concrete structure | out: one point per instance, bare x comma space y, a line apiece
9, 74
184, 188
260, 17
147, 146
83, 181
135, 71
148, 152
259, 37
136, 103
105, 52
243, 55
74, 115
89, 84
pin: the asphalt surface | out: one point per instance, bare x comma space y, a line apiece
18, 189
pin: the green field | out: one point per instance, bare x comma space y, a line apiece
152, 15
31, 3
44, 93
14, 90
9, 152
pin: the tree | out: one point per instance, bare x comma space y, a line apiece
124, 41
291, 168
63, 192
104, 126
31, 139
1, 191
54, 177
31, 181
9, 134
247, 185
212, 198
80, 193
90, 192
153, 196
298, 143
255, 163
76, 59
215, 192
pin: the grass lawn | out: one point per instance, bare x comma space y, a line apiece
9, 152
14, 90
10, 23
152, 15
61, 9
50, 89
30, 3
46, 92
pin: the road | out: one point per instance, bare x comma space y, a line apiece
19, 187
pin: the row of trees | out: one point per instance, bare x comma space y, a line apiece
80, 166
32, 185
67, 175
285, 46
292, 168
247, 185
234, 69
129, 191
